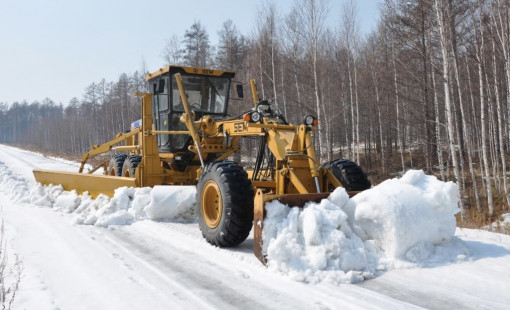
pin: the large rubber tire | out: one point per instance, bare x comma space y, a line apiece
130, 164
224, 206
115, 165
349, 174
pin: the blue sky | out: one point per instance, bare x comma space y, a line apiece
56, 48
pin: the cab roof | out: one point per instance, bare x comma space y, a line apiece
189, 70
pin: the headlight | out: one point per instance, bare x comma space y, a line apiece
255, 117
252, 117
310, 120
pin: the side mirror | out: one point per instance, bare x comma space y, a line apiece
240, 92
161, 86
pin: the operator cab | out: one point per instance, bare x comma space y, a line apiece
207, 92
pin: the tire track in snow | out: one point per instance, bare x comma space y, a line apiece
194, 280
215, 271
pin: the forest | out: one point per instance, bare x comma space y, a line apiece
428, 89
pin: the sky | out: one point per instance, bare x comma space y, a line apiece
56, 48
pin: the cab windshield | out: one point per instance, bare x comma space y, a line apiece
206, 94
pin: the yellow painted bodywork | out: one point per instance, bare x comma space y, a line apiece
295, 177
296, 165
190, 70
82, 182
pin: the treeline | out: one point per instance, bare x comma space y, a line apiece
428, 89
106, 108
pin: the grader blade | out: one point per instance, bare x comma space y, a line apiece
292, 200
94, 184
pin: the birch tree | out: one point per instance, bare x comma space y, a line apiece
440, 11
312, 15
501, 21
480, 48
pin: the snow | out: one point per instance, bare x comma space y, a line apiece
125, 207
400, 223
171, 202
398, 241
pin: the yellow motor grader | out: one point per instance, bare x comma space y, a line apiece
186, 137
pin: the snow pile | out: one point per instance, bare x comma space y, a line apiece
405, 216
315, 243
127, 205
171, 202
15, 185
400, 223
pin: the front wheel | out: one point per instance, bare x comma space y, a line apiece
224, 204
349, 174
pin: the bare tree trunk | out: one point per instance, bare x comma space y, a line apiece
357, 110
312, 16
273, 70
261, 72
470, 146
296, 82
328, 132
379, 118
346, 123
351, 106
408, 132
284, 99
502, 33
439, 144
479, 56
448, 104
458, 130
315, 43
399, 136
464, 126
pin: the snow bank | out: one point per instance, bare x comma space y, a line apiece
400, 223
171, 202
127, 205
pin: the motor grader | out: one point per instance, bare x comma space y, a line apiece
186, 137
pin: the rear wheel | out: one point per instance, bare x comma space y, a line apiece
130, 164
115, 165
224, 204
349, 174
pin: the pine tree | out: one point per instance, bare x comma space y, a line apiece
197, 52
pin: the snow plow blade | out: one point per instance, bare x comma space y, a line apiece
94, 184
292, 200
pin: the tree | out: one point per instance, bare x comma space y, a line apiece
231, 47
267, 46
294, 49
197, 52
312, 15
173, 52
441, 11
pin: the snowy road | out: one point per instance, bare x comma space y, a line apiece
158, 265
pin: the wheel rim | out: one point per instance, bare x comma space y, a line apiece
212, 205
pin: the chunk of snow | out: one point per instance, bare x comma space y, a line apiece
67, 202
171, 202
400, 220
